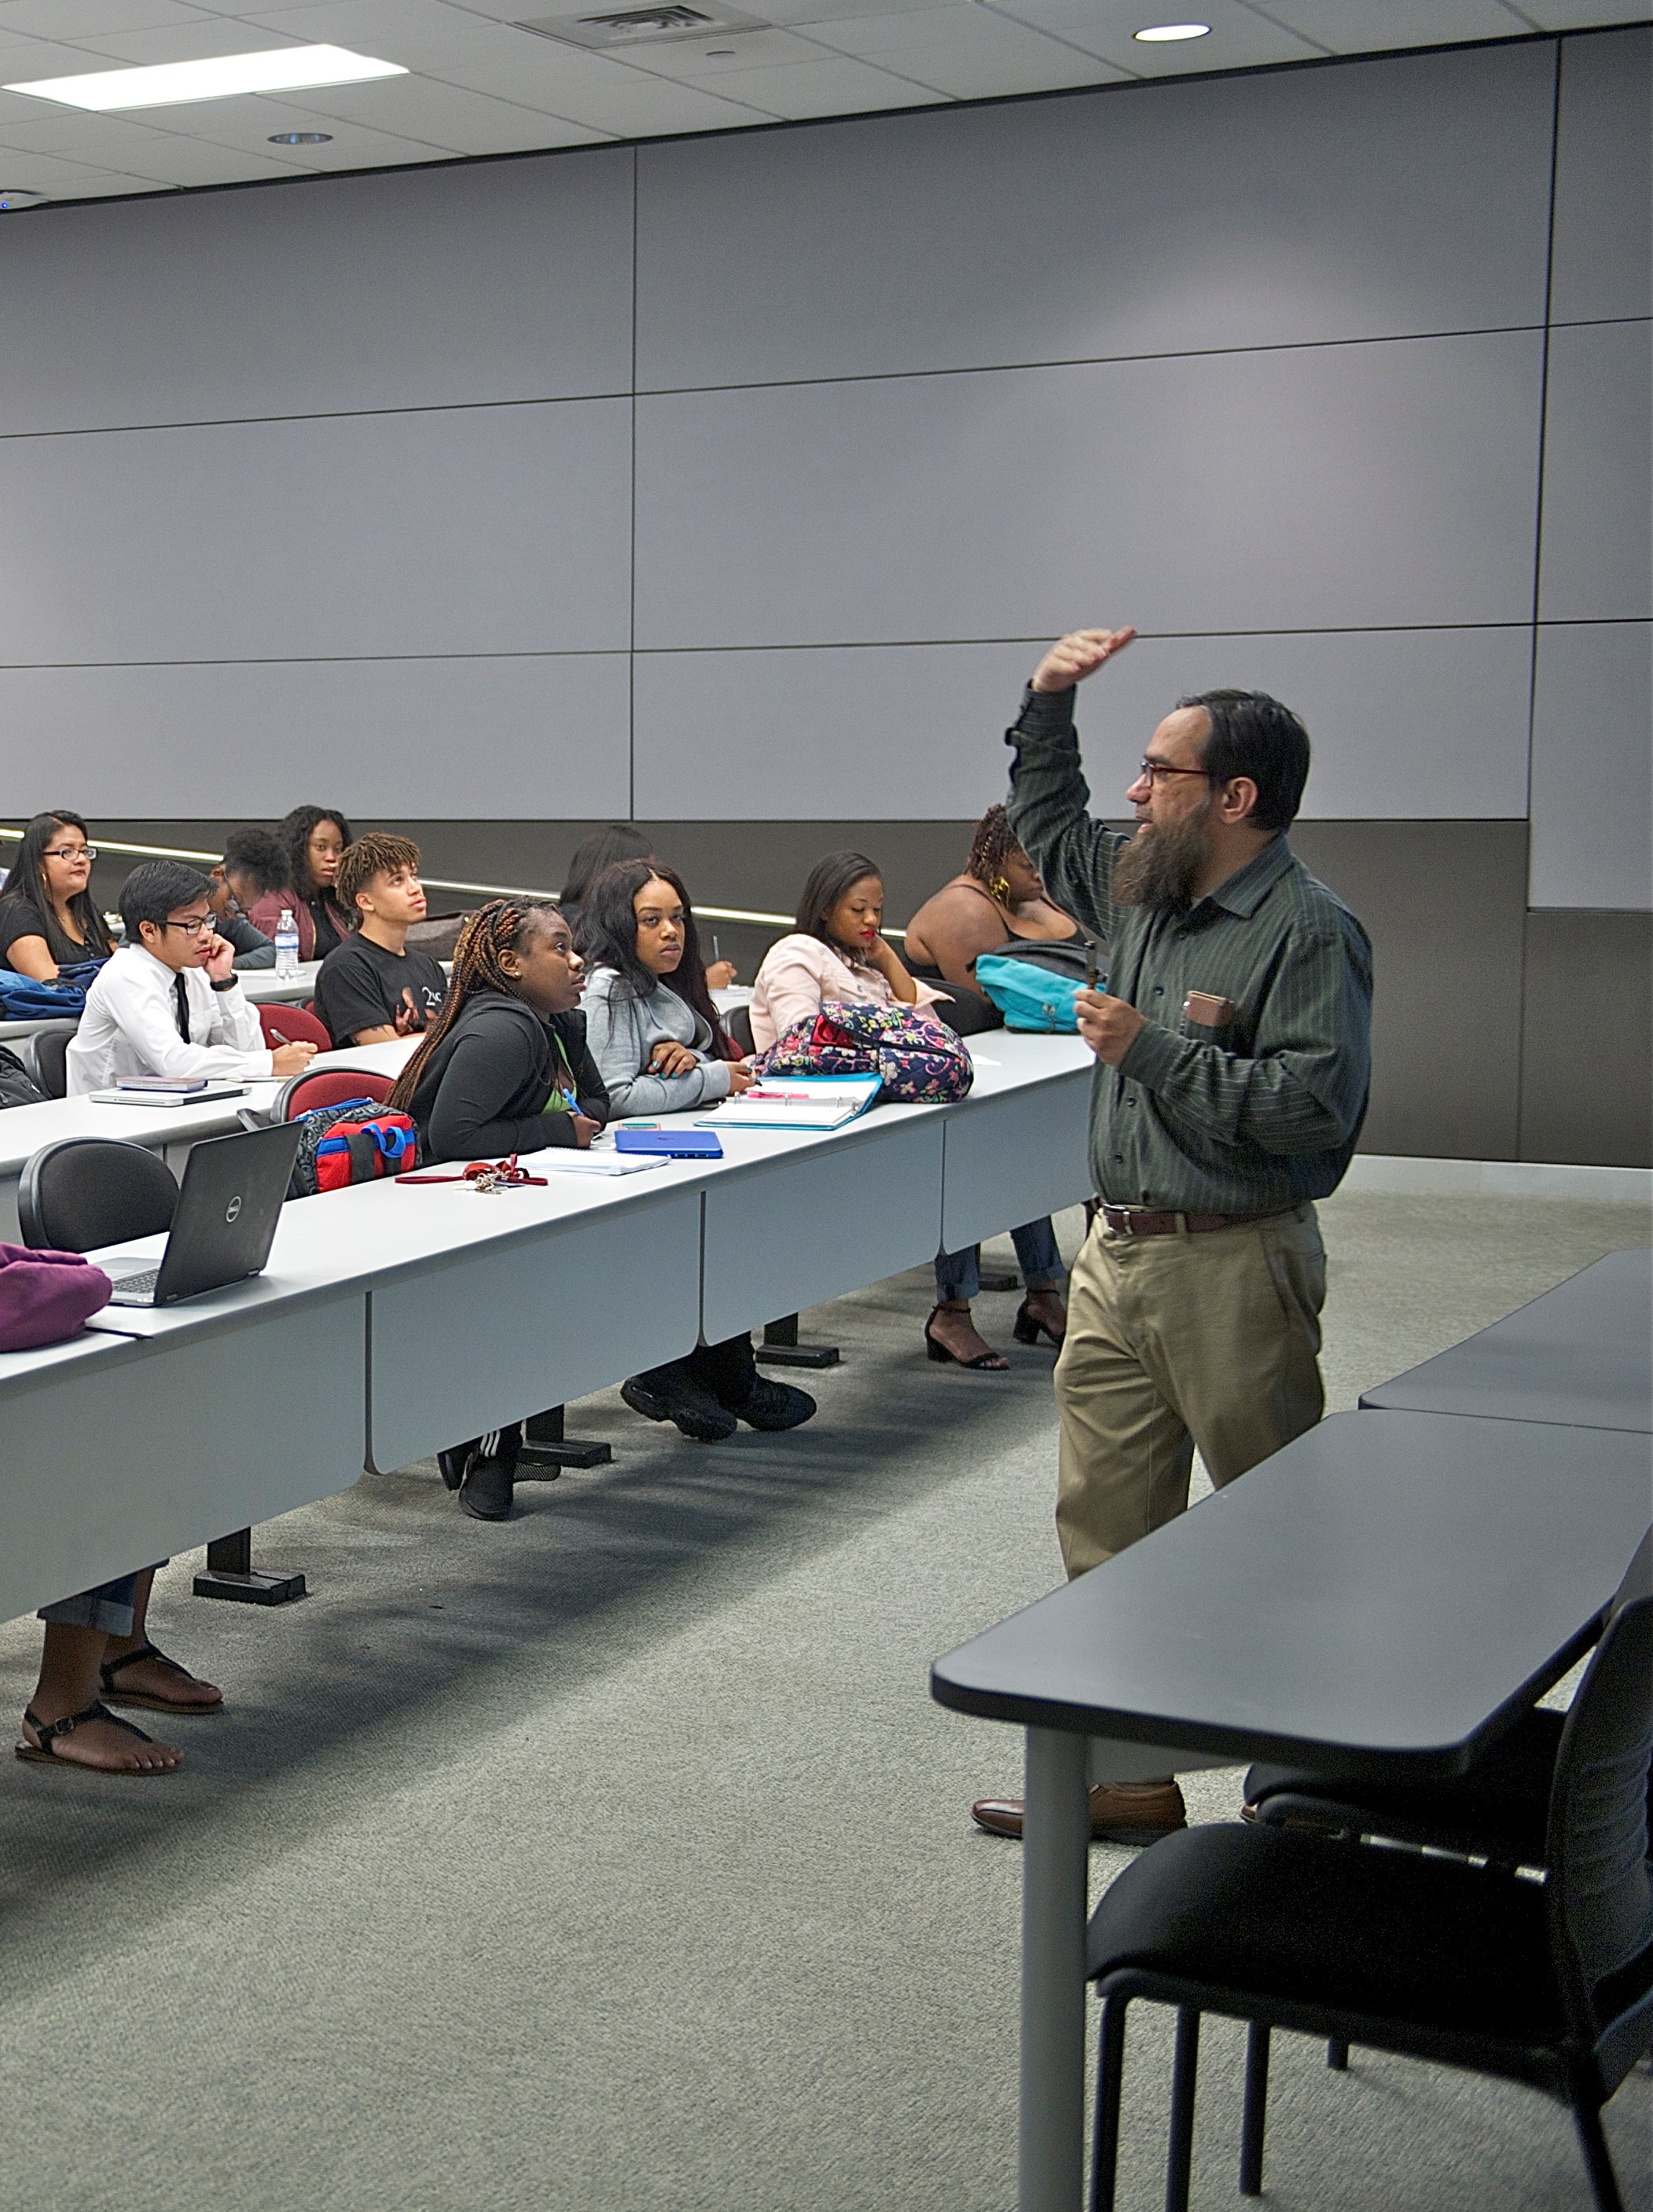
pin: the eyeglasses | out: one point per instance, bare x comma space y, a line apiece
70, 853
1154, 770
198, 926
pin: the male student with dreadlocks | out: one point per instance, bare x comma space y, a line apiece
503, 1068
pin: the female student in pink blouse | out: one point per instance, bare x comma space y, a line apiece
836, 952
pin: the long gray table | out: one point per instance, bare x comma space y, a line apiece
1581, 1357
1389, 1592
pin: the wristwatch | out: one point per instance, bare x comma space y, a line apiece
228, 985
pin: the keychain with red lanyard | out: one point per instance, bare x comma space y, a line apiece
485, 1175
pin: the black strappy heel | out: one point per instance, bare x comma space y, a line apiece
1027, 1330
986, 1362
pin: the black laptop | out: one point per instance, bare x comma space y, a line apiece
226, 1218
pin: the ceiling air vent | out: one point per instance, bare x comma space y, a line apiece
638, 27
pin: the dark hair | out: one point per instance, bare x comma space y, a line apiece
498, 927
257, 854
152, 891
26, 886
826, 883
608, 935
621, 841
294, 831
377, 854
993, 844
1253, 735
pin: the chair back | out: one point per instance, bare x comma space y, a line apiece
738, 1022
83, 1192
328, 1086
44, 1055
284, 1024
1601, 1885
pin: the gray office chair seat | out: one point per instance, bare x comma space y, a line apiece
83, 1192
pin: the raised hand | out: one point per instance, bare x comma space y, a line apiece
1079, 654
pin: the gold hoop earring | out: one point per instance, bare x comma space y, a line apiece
1000, 887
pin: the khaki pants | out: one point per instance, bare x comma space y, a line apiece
1174, 1341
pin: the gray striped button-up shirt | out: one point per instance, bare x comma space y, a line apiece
1250, 1118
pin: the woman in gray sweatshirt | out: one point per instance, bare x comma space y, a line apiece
653, 1031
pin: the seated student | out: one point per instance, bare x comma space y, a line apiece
999, 894
170, 1003
503, 1068
313, 838
47, 919
657, 1040
621, 841
836, 952
96, 1642
372, 989
254, 865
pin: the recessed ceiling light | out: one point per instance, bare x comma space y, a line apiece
1168, 35
288, 69
301, 138
19, 196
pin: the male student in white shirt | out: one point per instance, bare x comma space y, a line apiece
170, 1002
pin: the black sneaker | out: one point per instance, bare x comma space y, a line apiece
489, 1486
695, 1411
451, 1464
776, 1406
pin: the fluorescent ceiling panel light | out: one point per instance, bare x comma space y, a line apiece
168, 84
1168, 35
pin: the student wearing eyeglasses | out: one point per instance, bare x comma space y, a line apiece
170, 1002
47, 918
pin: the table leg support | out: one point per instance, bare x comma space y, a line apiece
1054, 1874
781, 1348
544, 1445
230, 1574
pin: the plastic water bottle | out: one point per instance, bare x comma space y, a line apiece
286, 946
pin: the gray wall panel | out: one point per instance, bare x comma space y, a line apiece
509, 280
1405, 722
1588, 1040
1326, 488
474, 530
1592, 775
1398, 195
1604, 178
547, 734
1598, 455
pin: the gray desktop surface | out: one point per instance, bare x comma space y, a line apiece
1390, 1589
1581, 1355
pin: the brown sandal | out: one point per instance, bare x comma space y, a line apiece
144, 1698
49, 1731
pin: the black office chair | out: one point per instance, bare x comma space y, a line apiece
83, 1192
1550, 1984
738, 1022
44, 1055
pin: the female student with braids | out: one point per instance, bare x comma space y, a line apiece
656, 1037
503, 1068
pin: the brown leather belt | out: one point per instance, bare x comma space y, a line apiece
1148, 1221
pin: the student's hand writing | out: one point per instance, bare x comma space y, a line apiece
720, 974
740, 1077
670, 1058
409, 1020
1079, 654
584, 1130
1108, 1024
292, 1058
220, 962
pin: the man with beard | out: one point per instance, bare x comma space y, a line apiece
1233, 1042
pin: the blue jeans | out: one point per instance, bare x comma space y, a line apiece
958, 1274
109, 1606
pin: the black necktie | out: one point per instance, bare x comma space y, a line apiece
180, 1006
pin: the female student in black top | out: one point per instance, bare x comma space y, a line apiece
503, 1068
47, 919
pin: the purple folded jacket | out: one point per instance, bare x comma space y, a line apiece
46, 1296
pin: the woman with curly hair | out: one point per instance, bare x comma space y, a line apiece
314, 838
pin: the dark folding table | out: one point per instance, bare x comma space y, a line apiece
1391, 1590
1581, 1355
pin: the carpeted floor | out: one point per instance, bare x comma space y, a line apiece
619, 1857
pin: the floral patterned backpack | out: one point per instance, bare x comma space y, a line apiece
920, 1063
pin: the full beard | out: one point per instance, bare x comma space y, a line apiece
1159, 867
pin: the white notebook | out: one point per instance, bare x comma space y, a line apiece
797, 1101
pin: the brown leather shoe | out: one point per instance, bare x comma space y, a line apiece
1120, 1813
